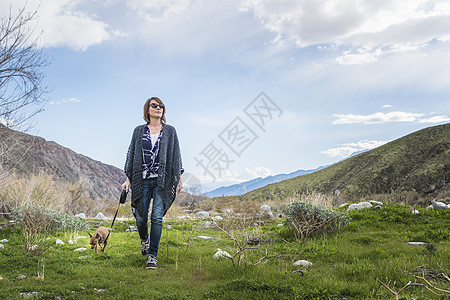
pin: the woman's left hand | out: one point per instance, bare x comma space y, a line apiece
179, 187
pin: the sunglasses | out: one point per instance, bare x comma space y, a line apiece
154, 105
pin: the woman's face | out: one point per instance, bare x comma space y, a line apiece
155, 110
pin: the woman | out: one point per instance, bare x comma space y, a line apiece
153, 168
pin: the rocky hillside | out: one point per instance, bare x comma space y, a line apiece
23, 153
418, 163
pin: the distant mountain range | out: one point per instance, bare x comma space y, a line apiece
248, 186
23, 153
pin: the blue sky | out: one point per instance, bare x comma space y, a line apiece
336, 78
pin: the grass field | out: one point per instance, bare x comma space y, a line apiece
349, 265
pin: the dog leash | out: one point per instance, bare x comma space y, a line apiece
122, 199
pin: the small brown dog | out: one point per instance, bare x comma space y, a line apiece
99, 237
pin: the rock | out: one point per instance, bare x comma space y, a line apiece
81, 215
439, 205
82, 237
417, 243
279, 225
360, 205
33, 248
378, 207
203, 215
265, 211
220, 254
343, 204
1, 278
169, 226
209, 224
205, 237
376, 202
70, 242
82, 257
228, 212
2, 246
59, 242
302, 263
101, 217
80, 249
415, 212
218, 218
131, 228
4, 241
21, 276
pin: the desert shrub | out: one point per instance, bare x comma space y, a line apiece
37, 219
308, 220
37, 222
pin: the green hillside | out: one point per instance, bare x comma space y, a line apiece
418, 162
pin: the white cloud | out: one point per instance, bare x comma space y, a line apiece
387, 106
378, 117
345, 150
257, 172
64, 24
70, 100
435, 119
370, 28
395, 116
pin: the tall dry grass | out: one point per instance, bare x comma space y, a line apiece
41, 190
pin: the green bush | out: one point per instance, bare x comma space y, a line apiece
308, 220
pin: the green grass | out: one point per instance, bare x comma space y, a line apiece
347, 265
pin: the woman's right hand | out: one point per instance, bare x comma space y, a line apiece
126, 184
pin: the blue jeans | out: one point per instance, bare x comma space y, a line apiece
150, 190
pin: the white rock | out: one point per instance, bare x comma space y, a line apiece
228, 212
21, 276
343, 204
415, 212
279, 225
80, 249
33, 248
205, 237
302, 263
81, 215
359, 205
2, 246
169, 226
218, 218
376, 202
59, 242
82, 257
266, 211
4, 241
448, 206
101, 217
209, 224
417, 243
203, 214
439, 205
82, 237
220, 253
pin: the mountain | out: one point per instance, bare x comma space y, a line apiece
247, 186
23, 153
418, 163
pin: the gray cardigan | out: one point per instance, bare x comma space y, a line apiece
169, 171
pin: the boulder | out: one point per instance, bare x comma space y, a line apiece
360, 205
81, 215
4, 241
218, 218
228, 212
302, 263
439, 205
220, 253
101, 217
265, 211
203, 215
209, 224
59, 242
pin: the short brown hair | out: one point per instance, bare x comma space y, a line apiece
146, 107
